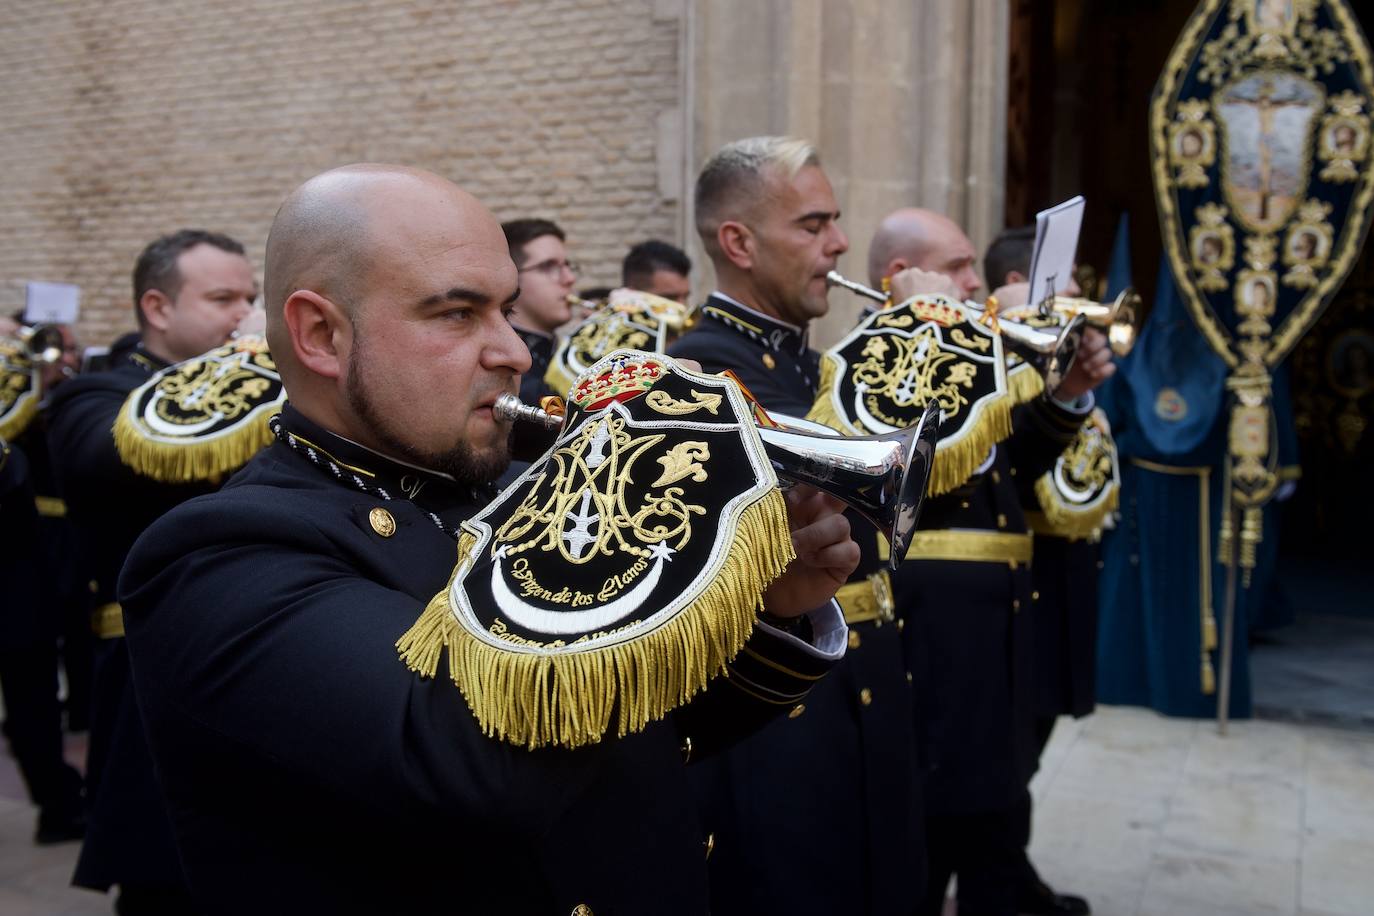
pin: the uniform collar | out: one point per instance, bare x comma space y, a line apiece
431, 490
532, 337
144, 360
776, 335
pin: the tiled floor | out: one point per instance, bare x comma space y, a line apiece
1145, 816
1148, 816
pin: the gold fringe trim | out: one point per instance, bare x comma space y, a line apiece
1068, 521
955, 462
569, 697
1024, 384
193, 459
13, 424
823, 410
556, 377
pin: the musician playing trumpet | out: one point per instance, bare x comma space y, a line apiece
545, 303
978, 708
768, 219
306, 766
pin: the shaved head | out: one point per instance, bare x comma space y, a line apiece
916, 237
329, 234
388, 291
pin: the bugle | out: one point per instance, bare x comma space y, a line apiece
883, 478
1051, 350
834, 278
42, 342
1120, 320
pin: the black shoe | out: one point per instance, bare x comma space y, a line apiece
1041, 900
59, 826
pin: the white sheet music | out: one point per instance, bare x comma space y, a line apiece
51, 303
1056, 246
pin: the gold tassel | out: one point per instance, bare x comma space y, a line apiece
1068, 521
192, 459
569, 698
955, 462
1209, 677
1024, 384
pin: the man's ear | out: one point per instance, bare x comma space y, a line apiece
737, 243
156, 309
320, 331
1015, 276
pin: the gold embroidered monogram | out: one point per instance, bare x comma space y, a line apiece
202, 418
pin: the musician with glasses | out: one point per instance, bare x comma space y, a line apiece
547, 277
768, 219
308, 767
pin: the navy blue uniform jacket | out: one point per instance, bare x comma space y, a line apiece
816, 814
308, 770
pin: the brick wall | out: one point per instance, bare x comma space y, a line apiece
124, 119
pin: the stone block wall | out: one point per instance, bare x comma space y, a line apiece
125, 119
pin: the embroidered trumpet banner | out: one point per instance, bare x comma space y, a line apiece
880, 377
622, 571
201, 419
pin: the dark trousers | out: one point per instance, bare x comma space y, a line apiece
982, 850
33, 720
1029, 878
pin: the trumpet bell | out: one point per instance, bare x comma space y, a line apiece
1051, 350
43, 342
1120, 320
884, 478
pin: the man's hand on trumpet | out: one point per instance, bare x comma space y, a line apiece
826, 554
1091, 368
917, 282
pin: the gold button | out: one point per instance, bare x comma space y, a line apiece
901, 622
866, 697
769, 362
1035, 596
908, 677
94, 586
854, 639
686, 750
582, 910
382, 522
1001, 520
963, 504
797, 710
996, 477
1016, 604
1013, 472
710, 844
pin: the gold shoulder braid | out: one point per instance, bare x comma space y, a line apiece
1078, 494
201, 419
632, 320
880, 377
622, 571
18, 389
